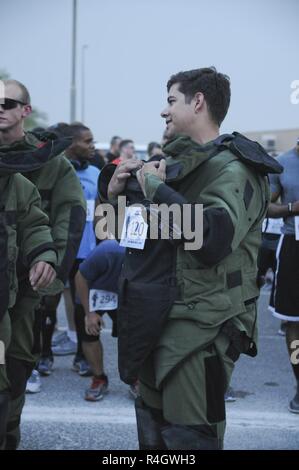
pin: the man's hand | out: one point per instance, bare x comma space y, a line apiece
155, 168
122, 173
295, 207
41, 275
93, 323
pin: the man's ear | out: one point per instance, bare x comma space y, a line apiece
26, 110
198, 101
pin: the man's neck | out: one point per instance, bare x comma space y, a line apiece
204, 134
10, 136
74, 158
71, 157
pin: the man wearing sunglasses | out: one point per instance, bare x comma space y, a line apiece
39, 157
24, 227
9, 103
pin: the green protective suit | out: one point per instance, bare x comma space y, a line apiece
41, 160
213, 317
24, 229
216, 283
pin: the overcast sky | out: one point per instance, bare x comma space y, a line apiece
135, 45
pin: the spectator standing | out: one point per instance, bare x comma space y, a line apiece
285, 302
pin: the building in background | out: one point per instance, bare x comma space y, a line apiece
275, 141
140, 149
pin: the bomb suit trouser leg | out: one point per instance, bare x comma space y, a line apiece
190, 398
21, 357
5, 336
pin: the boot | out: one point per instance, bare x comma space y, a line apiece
4, 409
149, 422
18, 373
13, 436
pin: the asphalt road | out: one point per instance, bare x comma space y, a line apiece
59, 418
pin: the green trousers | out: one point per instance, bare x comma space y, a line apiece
5, 335
5, 338
192, 394
20, 357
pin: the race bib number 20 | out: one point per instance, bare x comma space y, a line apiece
134, 229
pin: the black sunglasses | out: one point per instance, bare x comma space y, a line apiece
9, 103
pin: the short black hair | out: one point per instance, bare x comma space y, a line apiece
215, 87
114, 139
70, 130
151, 146
76, 128
124, 143
62, 129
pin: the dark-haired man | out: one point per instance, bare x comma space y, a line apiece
41, 160
285, 299
80, 153
126, 151
191, 310
154, 148
113, 152
96, 283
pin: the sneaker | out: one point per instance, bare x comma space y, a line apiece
294, 404
134, 390
33, 383
280, 332
65, 347
81, 366
98, 388
229, 395
59, 337
282, 329
45, 366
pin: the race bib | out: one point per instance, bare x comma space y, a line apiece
134, 230
102, 300
274, 226
90, 207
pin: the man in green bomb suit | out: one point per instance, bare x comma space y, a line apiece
40, 159
187, 312
24, 230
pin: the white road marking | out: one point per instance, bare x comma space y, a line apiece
79, 414
126, 415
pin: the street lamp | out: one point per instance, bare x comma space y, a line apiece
73, 79
84, 49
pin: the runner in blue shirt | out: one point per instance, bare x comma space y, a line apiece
80, 153
96, 285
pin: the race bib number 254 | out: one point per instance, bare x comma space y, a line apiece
102, 300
